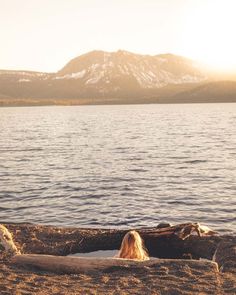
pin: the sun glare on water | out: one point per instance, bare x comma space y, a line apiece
209, 34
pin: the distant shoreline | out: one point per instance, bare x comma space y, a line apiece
87, 102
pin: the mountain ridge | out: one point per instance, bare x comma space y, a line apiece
113, 77
148, 71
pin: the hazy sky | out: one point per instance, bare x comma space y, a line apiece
44, 35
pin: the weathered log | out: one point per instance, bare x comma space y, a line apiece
225, 256
64, 241
6, 241
183, 230
62, 264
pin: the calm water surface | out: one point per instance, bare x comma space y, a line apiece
119, 166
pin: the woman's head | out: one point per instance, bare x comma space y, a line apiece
132, 247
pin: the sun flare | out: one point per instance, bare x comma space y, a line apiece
208, 34
202, 30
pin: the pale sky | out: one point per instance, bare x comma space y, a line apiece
43, 35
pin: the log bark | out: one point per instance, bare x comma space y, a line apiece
60, 264
6, 241
225, 256
52, 240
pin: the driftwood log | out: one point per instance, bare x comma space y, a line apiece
176, 242
60, 264
6, 241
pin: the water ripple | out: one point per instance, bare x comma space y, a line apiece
119, 166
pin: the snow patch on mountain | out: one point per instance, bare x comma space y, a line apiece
23, 73
95, 78
77, 75
24, 80
100, 68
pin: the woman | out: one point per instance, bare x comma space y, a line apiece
132, 247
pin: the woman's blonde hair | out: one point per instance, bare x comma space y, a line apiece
132, 247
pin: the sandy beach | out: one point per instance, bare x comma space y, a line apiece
164, 276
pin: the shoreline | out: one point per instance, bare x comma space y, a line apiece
90, 102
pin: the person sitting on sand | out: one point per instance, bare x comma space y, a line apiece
132, 247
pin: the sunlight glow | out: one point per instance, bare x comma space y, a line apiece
209, 34
44, 35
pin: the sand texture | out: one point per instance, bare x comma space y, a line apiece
165, 276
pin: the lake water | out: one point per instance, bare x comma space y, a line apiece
119, 166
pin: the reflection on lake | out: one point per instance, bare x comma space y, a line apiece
119, 166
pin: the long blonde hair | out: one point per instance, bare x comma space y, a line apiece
132, 247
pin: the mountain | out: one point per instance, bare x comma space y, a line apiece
109, 77
105, 70
217, 91
20, 83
